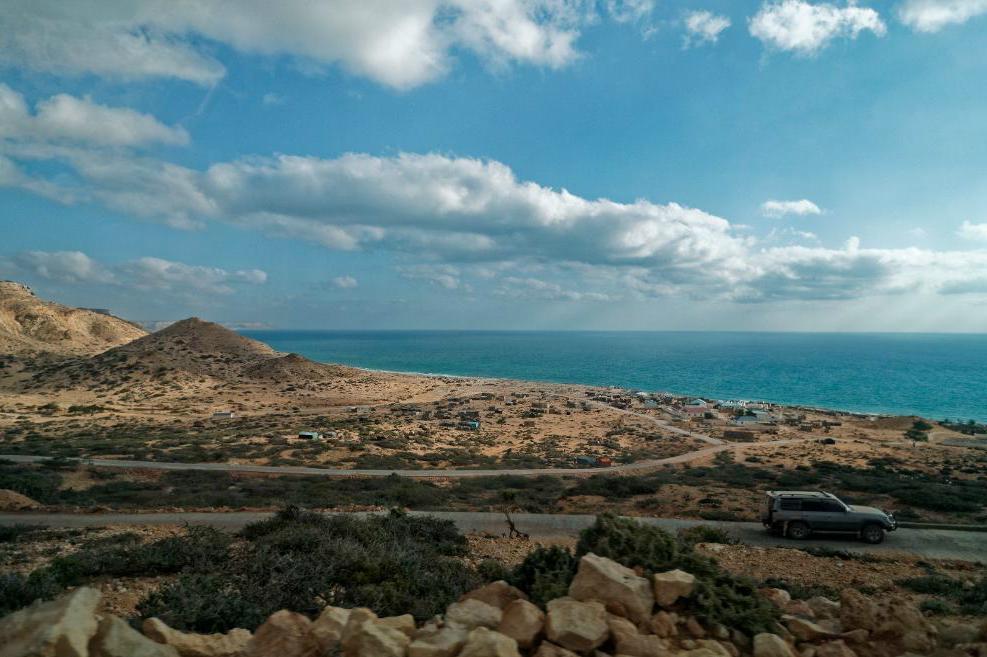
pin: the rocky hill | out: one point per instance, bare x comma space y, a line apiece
191, 350
29, 325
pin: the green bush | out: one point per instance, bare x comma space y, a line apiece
545, 573
706, 534
18, 591
13, 533
202, 603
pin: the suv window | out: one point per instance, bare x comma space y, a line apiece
789, 504
821, 505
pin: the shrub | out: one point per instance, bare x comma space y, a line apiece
545, 573
937, 607
201, 603
930, 584
706, 534
13, 533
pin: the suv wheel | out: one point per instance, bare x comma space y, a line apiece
798, 530
872, 534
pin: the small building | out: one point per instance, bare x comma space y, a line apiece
223, 415
742, 420
469, 425
739, 435
309, 435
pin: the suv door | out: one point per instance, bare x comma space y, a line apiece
822, 515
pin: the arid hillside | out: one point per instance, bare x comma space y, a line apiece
29, 325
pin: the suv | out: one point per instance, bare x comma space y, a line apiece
797, 514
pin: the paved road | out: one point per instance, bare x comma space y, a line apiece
419, 474
925, 543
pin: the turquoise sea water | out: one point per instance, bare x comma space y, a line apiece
935, 375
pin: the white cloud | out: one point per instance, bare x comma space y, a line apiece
453, 218
777, 209
69, 120
704, 27
918, 232
806, 28
398, 44
934, 15
971, 231
344, 282
626, 11
144, 273
272, 99
534, 288
61, 266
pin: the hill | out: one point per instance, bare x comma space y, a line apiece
29, 325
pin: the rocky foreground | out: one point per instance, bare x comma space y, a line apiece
610, 611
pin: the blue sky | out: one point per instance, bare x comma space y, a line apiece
763, 165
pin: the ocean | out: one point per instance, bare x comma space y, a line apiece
934, 375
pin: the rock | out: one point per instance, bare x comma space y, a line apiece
496, 594
834, 649
471, 613
959, 633
771, 645
806, 630
857, 612
824, 607
231, 644
693, 627
663, 624
714, 647
547, 649
115, 638
523, 622
284, 634
672, 585
328, 627
59, 628
445, 642
367, 636
778, 597
404, 623
799, 608
620, 589
11, 500
855, 636
630, 642
577, 626
483, 642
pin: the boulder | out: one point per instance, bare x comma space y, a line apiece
404, 623
824, 607
284, 634
59, 628
857, 611
547, 649
620, 589
713, 648
496, 594
693, 627
115, 638
577, 626
778, 597
471, 613
952, 635
231, 644
483, 642
328, 627
523, 622
806, 630
630, 642
367, 636
834, 649
672, 585
443, 642
771, 645
664, 624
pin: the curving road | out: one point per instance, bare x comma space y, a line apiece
419, 474
923, 543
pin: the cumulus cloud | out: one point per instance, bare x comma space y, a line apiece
806, 28
399, 44
971, 231
69, 120
344, 282
625, 11
455, 218
777, 209
60, 266
146, 273
704, 27
934, 15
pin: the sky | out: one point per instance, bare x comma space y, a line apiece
779, 165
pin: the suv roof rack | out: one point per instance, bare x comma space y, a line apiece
800, 493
